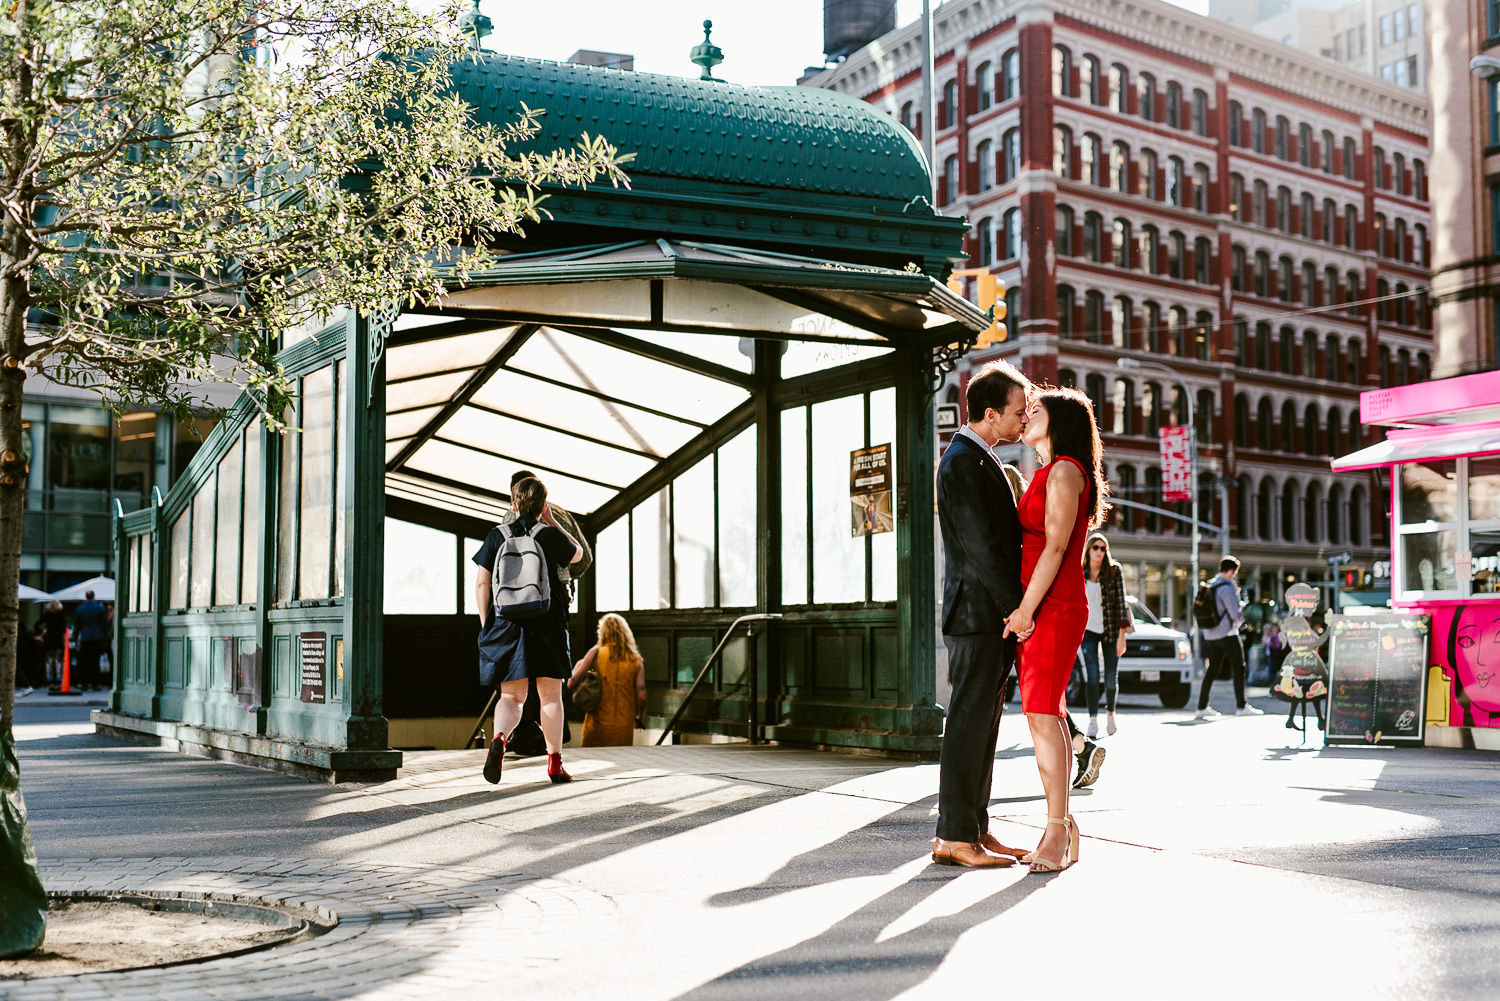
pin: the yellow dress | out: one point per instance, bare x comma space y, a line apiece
612, 723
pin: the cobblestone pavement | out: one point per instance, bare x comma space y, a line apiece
403, 931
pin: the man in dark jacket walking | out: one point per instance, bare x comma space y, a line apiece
981, 586
91, 629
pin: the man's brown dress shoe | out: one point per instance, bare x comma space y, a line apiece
992, 844
966, 853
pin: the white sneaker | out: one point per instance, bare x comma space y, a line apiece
1209, 713
1093, 727
1248, 710
1109, 727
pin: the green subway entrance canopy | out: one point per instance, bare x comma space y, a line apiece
687, 364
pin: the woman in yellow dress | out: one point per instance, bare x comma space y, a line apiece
622, 697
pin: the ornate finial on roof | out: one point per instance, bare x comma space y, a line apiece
708, 55
475, 25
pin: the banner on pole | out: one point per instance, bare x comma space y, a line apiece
1176, 463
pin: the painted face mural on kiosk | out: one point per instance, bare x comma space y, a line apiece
1471, 634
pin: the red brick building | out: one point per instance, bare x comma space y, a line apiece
1155, 185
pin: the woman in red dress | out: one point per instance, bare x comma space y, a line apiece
1066, 498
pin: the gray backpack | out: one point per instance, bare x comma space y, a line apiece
519, 586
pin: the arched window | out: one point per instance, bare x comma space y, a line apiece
1152, 319
1177, 411
1258, 130
1332, 370
986, 155
1419, 180
1424, 368
949, 187
1124, 405
1312, 512
1359, 518
1334, 439
1236, 124
1383, 359
1398, 173
1174, 176
1093, 317
1177, 324
1309, 284
907, 121
1203, 325
1119, 83
1284, 279
1010, 155
1351, 225
1064, 311
1125, 487
1403, 367
1399, 250
1093, 388
1174, 104
1176, 249
1326, 152
1119, 322
1262, 272
1200, 113
1067, 378
1329, 212
1091, 160
1010, 75
1119, 168
1311, 425
1146, 96
1062, 150
1352, 360
948, 109
1354, 428
1237, 205
1401, 305
1237, 268
1010, 234
1241, 335
1089, 80
1153, 497
1381, 235
984, 232
1305, 217
1148, 183
1202, 256
1352, 281
1064, 231
1304, 145
1258, 203
1422, 319
1283, 136
1263, 347
1310, 354
1284, 209
1151, 411
1062, 66
1291, 499
1284, 339
984, 83
1349, 158
1265, 506
1419, 245
1200, 187
1379, 167
1335, 514
1150, 250
1093, 234
1120, 243
1243, 491
1241, 420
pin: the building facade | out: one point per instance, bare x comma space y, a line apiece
1384, 38
1160, 187
1466, 155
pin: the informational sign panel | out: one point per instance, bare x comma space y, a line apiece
946, 418
314, 666
1378, 679
1176, 463
870, 490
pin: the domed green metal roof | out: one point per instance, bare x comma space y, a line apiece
795, 169
779, 138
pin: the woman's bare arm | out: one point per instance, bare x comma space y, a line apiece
581, 668
1064, 487
482, 596
640, 692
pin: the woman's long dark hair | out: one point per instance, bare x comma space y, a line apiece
1071, 432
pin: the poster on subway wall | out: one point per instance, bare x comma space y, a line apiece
1176, 463
870, 491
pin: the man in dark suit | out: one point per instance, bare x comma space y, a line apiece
981, 586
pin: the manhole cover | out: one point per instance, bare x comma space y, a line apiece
92, 933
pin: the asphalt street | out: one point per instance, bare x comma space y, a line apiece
1222, 858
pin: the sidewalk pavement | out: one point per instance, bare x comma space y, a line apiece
1218, 859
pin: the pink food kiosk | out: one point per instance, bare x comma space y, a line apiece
1443, 458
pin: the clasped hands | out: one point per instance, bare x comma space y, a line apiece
1019, 624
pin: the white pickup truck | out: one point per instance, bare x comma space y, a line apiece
1158, 659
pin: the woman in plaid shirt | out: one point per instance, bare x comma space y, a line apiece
1109, 621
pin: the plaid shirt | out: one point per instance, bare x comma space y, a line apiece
1112, 591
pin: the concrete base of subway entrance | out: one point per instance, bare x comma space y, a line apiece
308, 761
1472, 737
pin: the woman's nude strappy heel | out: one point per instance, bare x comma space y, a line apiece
1039, 864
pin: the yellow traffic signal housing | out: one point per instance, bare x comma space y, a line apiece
989, 296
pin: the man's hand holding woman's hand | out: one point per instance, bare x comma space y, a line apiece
1019, 624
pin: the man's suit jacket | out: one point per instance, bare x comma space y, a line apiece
981, 540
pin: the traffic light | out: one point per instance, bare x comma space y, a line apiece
989, 293
1352, 578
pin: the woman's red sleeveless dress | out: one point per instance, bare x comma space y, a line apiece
1044, 662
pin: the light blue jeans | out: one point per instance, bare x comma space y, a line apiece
1093, 643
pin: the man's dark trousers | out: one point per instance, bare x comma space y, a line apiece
977, 667
1225, 657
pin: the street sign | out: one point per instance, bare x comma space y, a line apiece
1176, 463
947, 417
1340, 558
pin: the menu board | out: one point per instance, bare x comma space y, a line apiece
314, 666
1378, 679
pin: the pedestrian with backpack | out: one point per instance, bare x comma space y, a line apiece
1216, 611
523, 621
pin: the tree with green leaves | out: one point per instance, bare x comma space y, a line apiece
180, 180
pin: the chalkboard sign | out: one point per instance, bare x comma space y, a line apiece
314, 666
1378, 679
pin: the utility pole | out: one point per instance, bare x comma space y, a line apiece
929, 98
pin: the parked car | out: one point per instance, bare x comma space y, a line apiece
1158, 659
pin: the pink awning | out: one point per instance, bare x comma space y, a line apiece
1417, 444
1443, 401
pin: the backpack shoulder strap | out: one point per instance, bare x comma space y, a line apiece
536, 528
